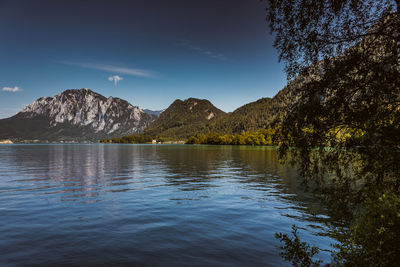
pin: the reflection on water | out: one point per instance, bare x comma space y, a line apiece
149, 204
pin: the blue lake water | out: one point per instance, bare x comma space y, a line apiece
150, 205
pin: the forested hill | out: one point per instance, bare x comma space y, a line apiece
184, 118
254, 116
192, 116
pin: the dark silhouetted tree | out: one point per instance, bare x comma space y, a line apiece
343, 125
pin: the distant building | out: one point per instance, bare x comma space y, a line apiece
6, 142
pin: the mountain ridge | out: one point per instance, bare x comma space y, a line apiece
75, 114
183, 117
84, 115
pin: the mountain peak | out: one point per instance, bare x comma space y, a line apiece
84, 108
183, 117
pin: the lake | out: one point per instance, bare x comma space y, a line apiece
150, 205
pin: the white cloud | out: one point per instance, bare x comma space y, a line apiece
112, 68
115, 79
12, 89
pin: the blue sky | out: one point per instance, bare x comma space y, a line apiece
163, 50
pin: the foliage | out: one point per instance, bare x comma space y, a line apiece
343, 127
130, 139
297, 252
308, 31
374, 236
259, 138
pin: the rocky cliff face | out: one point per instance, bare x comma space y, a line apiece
75, 110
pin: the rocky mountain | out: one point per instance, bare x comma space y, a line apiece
79, 115
183, 118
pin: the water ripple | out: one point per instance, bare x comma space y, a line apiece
149, 205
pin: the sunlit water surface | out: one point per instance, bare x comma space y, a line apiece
149, 205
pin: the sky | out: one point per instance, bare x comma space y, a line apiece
148, 52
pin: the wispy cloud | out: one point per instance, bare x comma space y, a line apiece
203, 51
113, 68
12, 89
115, 79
